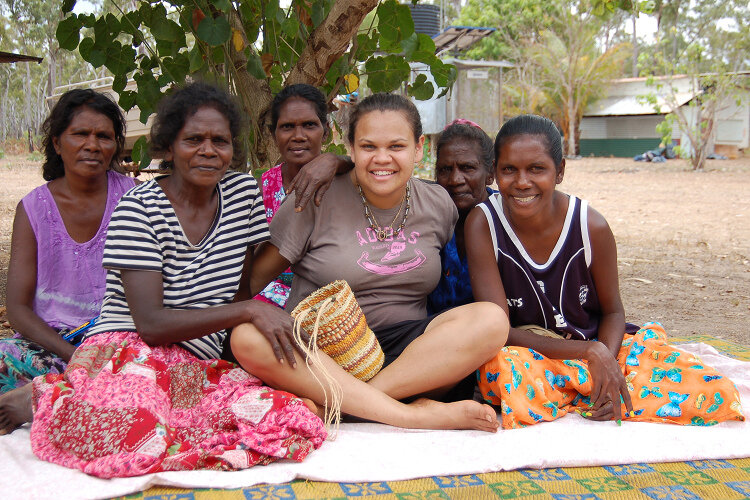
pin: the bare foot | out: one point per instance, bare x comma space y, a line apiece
467, 414
15, 409
317, 410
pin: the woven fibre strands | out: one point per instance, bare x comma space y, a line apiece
337, 326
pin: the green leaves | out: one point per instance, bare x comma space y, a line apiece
164, 28
159, 44
140, 153
421, 89
120, 58
386, 74
68, 5
254, 64
394, 22
68, 33
214, 31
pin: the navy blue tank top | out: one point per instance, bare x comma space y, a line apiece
559, 294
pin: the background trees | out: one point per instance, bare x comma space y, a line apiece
564, 53
28, 27
705, 44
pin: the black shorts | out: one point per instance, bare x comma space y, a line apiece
394, 339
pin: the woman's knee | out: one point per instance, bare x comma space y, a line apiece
490, 323
251, 348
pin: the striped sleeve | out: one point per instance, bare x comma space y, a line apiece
131, 239
258, 222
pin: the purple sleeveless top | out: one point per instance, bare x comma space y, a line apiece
70, 279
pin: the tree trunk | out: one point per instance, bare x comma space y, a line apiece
329, 41
27, 97
3, 114
571, 126
635, 46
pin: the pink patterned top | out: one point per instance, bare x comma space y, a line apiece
277, 292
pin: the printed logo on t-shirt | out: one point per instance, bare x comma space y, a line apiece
515, 302
583, 294
560, 321
393, 261
541, 285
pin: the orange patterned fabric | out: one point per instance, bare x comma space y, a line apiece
665, 384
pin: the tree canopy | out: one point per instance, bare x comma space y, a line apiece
253, 48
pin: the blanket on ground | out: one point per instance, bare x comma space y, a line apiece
374, 452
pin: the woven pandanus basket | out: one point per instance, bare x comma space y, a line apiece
334, 320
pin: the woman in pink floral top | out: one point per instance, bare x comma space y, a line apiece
299, 125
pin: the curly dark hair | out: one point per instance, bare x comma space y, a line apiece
177, 107
386, 102
469, 133
67, 107
532, 125
303, 91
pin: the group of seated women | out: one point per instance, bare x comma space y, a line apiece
191, 361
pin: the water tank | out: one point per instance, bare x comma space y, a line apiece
426, 18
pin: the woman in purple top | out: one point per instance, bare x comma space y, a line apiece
60, 286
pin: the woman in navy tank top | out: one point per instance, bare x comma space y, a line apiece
550, 261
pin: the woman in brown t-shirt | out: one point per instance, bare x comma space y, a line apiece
391, 269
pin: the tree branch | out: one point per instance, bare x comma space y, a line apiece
329, 41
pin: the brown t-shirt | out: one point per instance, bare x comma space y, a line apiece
390, 279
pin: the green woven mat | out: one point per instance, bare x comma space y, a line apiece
705, 479
709, 479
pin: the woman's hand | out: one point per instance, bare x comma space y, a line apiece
277, 327
607, 384
315, 178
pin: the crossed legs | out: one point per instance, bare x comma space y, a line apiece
453, 345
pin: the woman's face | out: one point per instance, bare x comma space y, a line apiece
460, 171
202, 151
526, 174
88, 144
384, 153
299, 133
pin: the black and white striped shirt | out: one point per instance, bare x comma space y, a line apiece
145, 234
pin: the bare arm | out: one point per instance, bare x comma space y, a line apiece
159, 325
21, 290
608, 380
268, 263
315, 178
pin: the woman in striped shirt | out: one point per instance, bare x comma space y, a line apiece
146, 392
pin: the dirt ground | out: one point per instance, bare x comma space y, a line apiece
683, 237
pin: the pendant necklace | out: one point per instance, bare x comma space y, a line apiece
381, 233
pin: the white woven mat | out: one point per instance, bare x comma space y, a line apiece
373, 452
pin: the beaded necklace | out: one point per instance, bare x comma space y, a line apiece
381, 233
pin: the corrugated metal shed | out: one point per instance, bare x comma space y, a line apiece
626, 96
633, 105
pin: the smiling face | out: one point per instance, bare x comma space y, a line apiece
299, 133
526, 175
460, 171
88, 144
202, 151
384, 153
